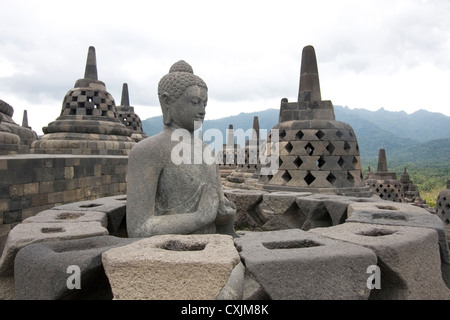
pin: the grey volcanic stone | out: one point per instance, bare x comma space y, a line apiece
295, 264
27, 233
174, 267
234, 288
58, 216
408, 258
400, 214
322, 210
246, 201
41, 269
115, 208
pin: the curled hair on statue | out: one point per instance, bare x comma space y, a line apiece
180, 77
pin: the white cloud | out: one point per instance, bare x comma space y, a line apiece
371, 54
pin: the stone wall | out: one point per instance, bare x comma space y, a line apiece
33, 183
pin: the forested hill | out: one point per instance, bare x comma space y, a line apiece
418, 137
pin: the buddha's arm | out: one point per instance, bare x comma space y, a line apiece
226, 212
185, 223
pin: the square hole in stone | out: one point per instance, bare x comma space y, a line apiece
309, 149
286, 176
341, 162
347, 146
291, 244
320, 134
330, 148
331, 178
309, 178
177, 245
376, 232
299, 134
69, 215
298, 162
52, 229
90, 205
389, 216
320, 162
350, 178
288, 147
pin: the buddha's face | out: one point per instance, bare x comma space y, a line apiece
189, 108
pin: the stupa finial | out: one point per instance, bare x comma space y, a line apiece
125, 101
91, 65
309, 88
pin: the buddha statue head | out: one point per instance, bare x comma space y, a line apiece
183, 97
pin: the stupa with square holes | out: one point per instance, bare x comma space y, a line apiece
128, 117
88, 123
316, 152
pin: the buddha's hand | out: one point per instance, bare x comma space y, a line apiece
208, 204
226, 212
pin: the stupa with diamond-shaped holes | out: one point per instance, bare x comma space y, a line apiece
316, 152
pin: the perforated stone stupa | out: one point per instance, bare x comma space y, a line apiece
384, 183
443, 206
14, 139
128, 117
88, 123
316, 152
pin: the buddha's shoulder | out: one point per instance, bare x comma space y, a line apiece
156, 145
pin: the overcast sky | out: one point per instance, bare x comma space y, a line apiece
371, 54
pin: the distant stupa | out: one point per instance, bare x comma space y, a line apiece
246, 171
384, 183
128, 117
14, 139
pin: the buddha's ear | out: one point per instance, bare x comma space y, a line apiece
165, 108
165, 98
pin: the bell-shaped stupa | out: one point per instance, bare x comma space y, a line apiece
128, 117
88, 123
316, 153
384, 183
14, 139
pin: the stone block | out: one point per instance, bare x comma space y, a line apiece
27, 233
323, 210
385, 207
408, 258
401, 214
287, 214
6, 288
298, 265
41, 269
172, 267
67, 216
114, 207
246, 202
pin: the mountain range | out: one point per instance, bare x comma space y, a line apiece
420, 138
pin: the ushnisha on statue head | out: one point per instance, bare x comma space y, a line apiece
183, 97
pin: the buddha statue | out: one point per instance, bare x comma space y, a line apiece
168, 196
